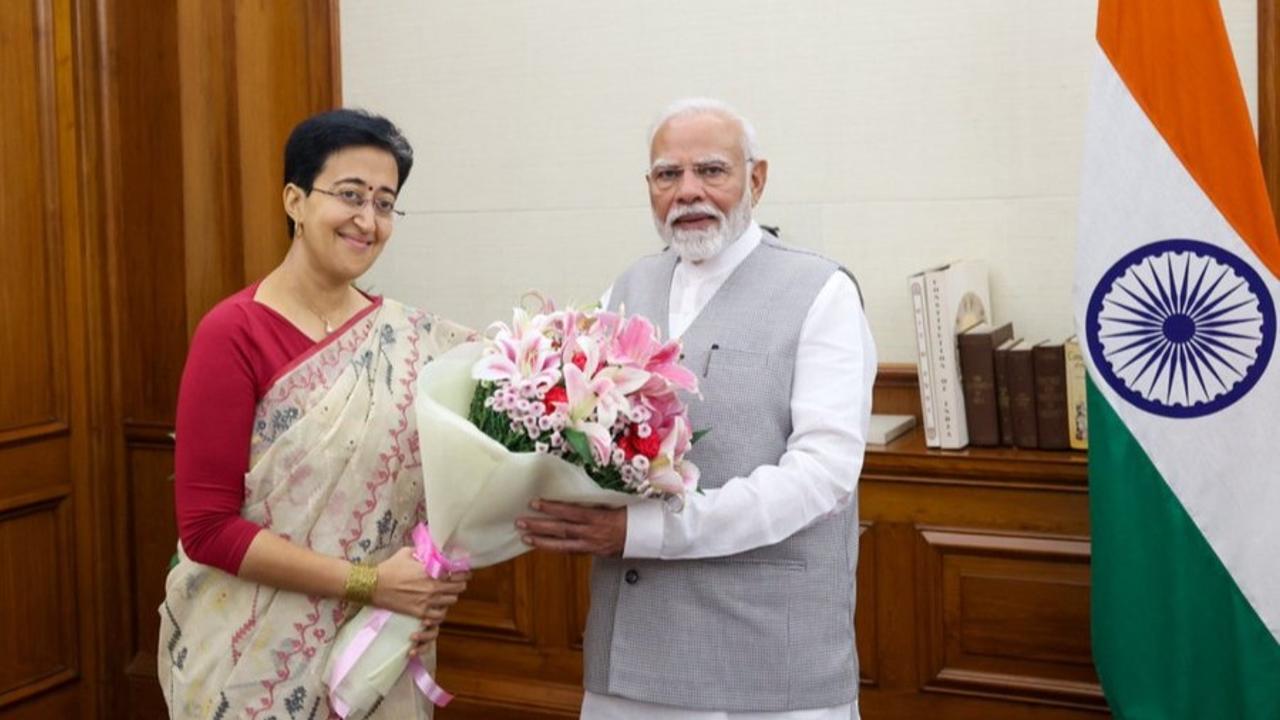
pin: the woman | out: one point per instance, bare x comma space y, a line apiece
297, 477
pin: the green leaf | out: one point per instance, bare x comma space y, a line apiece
698, 435
578, 441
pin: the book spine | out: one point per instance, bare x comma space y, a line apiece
1077, 412
928, 413
1004, 407
1051, 397
1022, 398
952, 431
976, 374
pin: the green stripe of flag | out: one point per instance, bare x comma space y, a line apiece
1173, 637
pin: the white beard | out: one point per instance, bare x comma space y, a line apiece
697, 245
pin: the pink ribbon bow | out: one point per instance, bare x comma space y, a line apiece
436, 564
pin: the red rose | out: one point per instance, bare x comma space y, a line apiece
647, 447
580, 360
624, 444
555, 395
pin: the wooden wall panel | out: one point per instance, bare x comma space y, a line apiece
47, 634
151, 527
210, 131
30, 334
535, 673
37, 648
147, 188
498, 603
34, 469
1269, 97
283, 66
1007, 616
148, 156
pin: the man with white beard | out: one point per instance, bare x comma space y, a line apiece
740, 605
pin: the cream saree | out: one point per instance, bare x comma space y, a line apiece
334, 467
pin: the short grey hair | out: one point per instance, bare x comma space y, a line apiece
709, 106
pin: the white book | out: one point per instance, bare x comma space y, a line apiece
886, 428
928, 413
957, 297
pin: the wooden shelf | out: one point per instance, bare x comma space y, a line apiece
907, 459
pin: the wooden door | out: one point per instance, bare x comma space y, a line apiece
48, 464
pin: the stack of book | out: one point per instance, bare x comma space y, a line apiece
1040, 394
981, 385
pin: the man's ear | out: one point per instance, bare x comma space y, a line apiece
759, 175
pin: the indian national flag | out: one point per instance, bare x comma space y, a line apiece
1175, 301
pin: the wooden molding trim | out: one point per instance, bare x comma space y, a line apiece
1269, 98
335, 53
153, 434
42, 499
37, 431
37, 687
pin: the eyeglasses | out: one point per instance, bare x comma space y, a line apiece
384, 206
711, 174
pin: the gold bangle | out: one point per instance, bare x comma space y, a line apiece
360, 584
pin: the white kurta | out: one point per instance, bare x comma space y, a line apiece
816, 476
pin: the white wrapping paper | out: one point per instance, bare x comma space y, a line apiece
475, 487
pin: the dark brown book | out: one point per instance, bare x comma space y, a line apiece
1003, 406
1022, 396
1051, 396
978, 378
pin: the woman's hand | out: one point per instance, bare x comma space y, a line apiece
430, 631
422, 639
404, 587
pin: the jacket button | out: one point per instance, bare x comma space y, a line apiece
632, 577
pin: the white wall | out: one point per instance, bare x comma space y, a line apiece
900, 133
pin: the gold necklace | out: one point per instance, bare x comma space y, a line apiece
328, 328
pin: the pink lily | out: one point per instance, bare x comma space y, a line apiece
665, 363
583, 400
519, 354
668, 471
637, 344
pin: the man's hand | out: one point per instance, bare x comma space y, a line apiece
575, 528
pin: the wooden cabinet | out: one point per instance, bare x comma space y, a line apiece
972, 597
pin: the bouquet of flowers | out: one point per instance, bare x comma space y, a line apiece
595, 389
567, 405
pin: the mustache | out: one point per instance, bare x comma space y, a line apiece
702, 208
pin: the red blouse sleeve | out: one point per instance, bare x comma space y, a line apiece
216, 404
